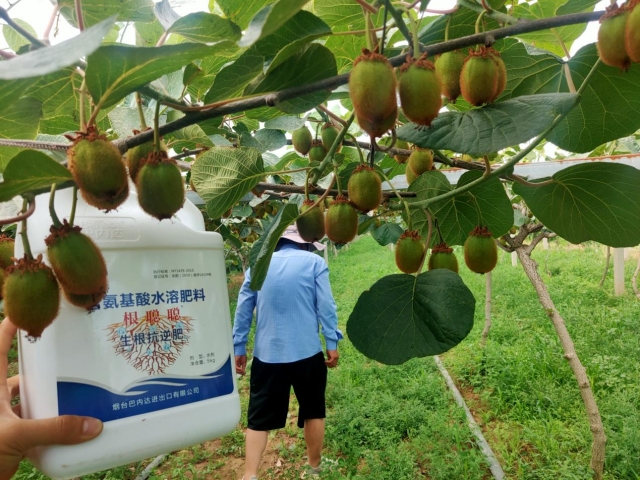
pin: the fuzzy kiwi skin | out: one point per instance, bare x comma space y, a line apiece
405, 146
611, 41
160, 189
328, 135
84, 301
31, 298
410, 175
372, 88
443, 260
301, 139
420, 161
480, 253
448, 69
341, 222
632, 34
419, 90
409, 254
378, 128
365, 189
502, 75
317, 153
99, 171
311, 224
6, 251
77, 262
479, 80
136, 157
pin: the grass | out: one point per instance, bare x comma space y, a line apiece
401, 423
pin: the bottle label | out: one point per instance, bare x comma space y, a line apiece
159, 339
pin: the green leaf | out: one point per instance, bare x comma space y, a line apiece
609, 107
232, 79
18, 120
287, 123
13, 38
58, 93
263, 248
592, 201
222, 176
189, 137
312, 63
345, 48
388, 233
402, 316
461, 23
205, 28
30, 170
269, 19
344, 15
489, 129
270, 139
12, 90
51, 59
241, 12
95, 11
116, 70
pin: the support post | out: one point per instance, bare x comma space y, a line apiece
487, 308
514, 259
618, 271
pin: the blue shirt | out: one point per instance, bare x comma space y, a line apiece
295, 300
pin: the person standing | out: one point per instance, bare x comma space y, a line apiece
294, 302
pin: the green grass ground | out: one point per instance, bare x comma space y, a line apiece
401, 422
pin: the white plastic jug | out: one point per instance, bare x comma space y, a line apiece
154, 360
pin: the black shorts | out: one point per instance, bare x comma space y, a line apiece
270, 388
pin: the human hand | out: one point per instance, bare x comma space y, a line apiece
17, 436
241, 364
332, 358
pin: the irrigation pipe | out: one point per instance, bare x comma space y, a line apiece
494, 465
147, 471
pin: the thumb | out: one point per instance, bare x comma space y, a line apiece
63, 430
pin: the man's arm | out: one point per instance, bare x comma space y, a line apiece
327, 313
242, 323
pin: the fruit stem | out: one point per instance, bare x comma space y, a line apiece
367, 26
23, 233
446, 29
427, 242
306, 186
156, 127
406, 204
337, 177
402, 26
83, 112
143, 122
414, 35
478, 211
487, 165
439, 232
329, 156
479, 21
79, 15
52, 210
74, 202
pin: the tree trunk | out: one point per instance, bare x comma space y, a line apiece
606, 267
487, 309
595, 422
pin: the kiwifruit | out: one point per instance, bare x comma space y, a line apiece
410, 175
301, 139
329, 134
632, 32
442, 256
76, 260
311, 224
31, 295
317, 151
160, 186
372, 89
405, 146
480, 250
98, 170
341, 221
420, 161
448, 69
84, 301
479, 77
365, 188
611, 37
136, 157
502, 73
409, 251
419, 90
6, 251
377, 129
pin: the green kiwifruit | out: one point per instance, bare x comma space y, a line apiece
76, 260
84, 301
404, 146
98, 170
341, 221
311, 224
317, 151
611, 37
31, 295
329, 134
420, 91
136, 157
301, 139
160, 186
448, 69
420, 161
480, 250
6, 251
409, 251
502, 73
365, 188
442, 256
632, 32
377, 129
479, 77
372, 89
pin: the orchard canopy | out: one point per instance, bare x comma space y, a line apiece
226, 86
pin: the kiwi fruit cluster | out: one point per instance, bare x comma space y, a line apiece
619, 35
